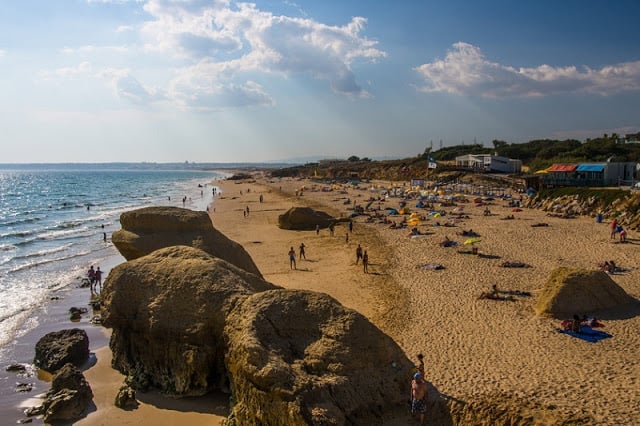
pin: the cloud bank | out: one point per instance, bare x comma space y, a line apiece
222, 49
466, 71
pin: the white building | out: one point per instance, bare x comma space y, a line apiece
490, 163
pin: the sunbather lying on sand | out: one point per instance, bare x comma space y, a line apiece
539, 224
508, 264
448, 243
469, 233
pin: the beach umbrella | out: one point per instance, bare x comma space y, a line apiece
472, 241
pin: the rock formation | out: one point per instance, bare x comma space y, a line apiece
572, 291
148, 229
57, 348
68, 398
168, 311
299, 357
304, 219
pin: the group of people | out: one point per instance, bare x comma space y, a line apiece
361, 255
95, 278
616, 228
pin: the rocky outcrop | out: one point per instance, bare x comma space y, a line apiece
304, 219
573, 291
69, 396
151, 228
168, 311
57, 348
301, 358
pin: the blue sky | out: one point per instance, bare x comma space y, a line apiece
222, 81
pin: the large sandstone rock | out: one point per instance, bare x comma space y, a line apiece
573, 291
301, 358
167, 311
57, 348
150, 228
69, 396
304, 219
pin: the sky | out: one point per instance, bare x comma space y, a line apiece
224, 81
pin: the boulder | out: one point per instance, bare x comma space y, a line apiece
126, 398
69, 396
582, 292
57, 348
301, 358
304, 219
151, 228
168, 311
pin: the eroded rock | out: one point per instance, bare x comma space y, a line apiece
167, 311
300, 357
151, 228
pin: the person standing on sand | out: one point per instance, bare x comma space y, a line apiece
613, 226
358, 253
418, 397
302, 254
365, 262
98, 275
350, 226
317, 229
292, 258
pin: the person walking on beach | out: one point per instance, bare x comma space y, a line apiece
292, 258
365, 262
418, 397
358, 253
317, 229
614, 226
98, 277
331, 228
350, 226
91, 274
302, 254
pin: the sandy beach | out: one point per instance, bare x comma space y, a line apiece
475, 350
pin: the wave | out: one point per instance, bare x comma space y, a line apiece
7, 247
63, 233
20, 221
19, 234
46, 261
45, 252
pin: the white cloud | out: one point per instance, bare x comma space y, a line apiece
128, 87
90, 49
83, 68
465, 70
124, 28
225, 41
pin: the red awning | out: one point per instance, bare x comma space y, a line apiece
563, 168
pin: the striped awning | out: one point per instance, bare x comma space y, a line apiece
563, 168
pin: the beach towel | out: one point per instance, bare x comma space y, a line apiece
588, 334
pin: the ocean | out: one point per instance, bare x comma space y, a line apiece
53, 221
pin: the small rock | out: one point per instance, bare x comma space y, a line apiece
34, 411
126, 397
24, 387
24, 421
16, 368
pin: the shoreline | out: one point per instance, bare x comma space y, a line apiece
474, 349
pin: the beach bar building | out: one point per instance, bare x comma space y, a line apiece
489, 163
590, 174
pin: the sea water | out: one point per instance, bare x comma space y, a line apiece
53, 224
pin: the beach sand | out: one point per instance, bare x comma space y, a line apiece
474, 349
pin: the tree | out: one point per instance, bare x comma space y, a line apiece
353, 158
